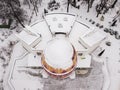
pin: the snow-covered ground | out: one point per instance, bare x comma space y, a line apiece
111, 56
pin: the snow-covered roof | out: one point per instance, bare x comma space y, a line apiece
58, 53
60, 22
26, 37
92, 38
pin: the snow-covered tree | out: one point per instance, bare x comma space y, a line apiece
11, 9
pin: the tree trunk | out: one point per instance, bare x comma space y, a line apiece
97, 14
34, 6
28, 3
114, 23
91, 2
88, 1
40, 1
68, 3
114, 4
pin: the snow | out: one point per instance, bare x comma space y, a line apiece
42, 29
34, 60
59, 53
60, 22
93, 38
59, 41
27, 38
27, 83
84, 61
112, 53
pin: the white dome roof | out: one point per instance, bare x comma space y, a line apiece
58, 53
